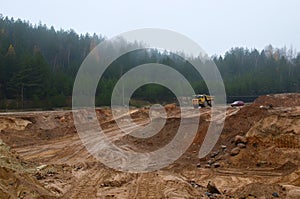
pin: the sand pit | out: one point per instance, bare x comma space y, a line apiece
43, 157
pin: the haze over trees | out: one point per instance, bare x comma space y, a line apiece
38, 66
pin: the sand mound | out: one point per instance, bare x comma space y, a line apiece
283, 100
273, 134
13, 123
281, 130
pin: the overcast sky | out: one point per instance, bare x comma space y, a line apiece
216, 25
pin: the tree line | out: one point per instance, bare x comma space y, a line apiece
38, 66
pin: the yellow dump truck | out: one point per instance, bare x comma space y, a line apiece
202, 100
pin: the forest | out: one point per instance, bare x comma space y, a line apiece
38, 66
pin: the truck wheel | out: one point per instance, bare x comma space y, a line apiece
209, 103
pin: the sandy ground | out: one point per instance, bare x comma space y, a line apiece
256, 156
